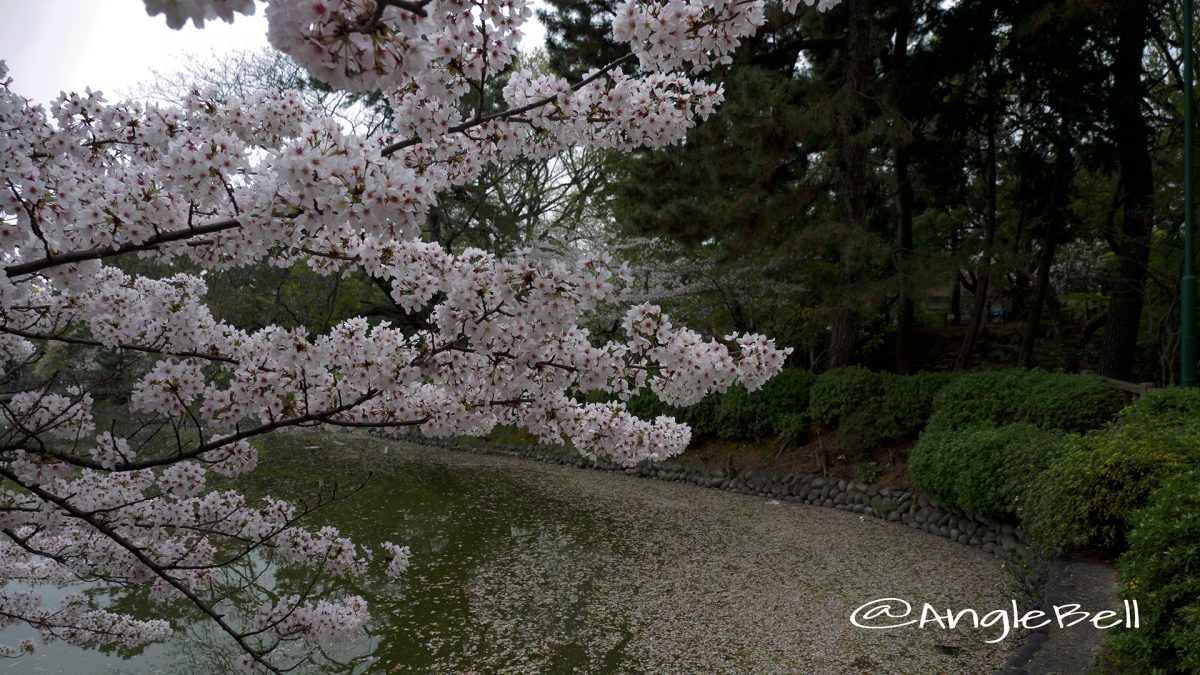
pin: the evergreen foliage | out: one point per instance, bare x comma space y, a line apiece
1086, 499
984, 471
1159, 571
1047, 400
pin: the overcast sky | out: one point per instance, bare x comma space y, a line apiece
110, 45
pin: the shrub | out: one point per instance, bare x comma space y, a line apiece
985, 471
791, 426
1072, 403
647, 405
701, 417
781, 406
858, 430
1160, 571
868, 407
840, 391
740, 417
1171, 407
907, 403
1087, 497
785, 398
596, 396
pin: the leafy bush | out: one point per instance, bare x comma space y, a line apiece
1087, 498
780, 407
1160, 571
839, 392
785, 399
647, 405
794, 425
1171, 407
701, 417
868, 407
985, 471
1048, 400
858, 429
596, 397
907, 403
740, 417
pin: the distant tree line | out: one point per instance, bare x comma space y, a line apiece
892, 166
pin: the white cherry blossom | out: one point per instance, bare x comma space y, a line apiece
230, 182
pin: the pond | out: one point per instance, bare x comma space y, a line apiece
527, 567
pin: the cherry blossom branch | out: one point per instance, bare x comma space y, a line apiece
370, 24
300, 420
513, 112
52, 259
102, 252
120, 345
505, 340
140, 555
265, 540
200, 449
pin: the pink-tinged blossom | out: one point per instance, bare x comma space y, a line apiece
227, 182
232, 460
291, 616
398, 558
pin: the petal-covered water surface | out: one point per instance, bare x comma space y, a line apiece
520, 566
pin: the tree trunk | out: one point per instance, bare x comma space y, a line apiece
904, 199
1033, 318
1056, 224
1132, 241
989, 236
956, 302
843, 342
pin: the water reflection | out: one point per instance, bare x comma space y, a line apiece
521, 567
458, 521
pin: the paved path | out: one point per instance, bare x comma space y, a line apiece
1074, 650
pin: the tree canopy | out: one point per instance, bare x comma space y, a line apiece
904, 167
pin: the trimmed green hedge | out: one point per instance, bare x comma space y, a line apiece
1048, 400
1131, 488
785, 400
1161, 570
1172, 407
646, 405
867, 407
907, 403
984, 471
779, 407
839, 392
1086, 498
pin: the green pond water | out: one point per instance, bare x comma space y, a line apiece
523, 567
454, 518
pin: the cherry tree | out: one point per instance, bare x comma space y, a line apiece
222, 182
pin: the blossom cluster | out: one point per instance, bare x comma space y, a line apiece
226, 182
669, 35
178, 12
74, 622
145, 527
292, 616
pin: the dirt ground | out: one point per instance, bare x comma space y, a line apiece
885, 465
